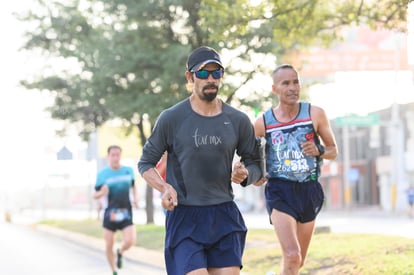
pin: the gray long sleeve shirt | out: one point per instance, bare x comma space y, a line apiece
200, 152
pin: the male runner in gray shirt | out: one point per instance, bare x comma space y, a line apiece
205, 232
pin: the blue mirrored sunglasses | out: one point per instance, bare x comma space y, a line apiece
203, 74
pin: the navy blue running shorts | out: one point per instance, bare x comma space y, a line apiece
301, 200
111, 225
204, 237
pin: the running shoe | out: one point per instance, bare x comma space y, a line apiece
118, 259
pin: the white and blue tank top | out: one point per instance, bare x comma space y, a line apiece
285, 158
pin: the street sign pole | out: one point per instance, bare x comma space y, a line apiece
346, 166
345, 122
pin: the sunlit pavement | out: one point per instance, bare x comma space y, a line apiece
371, 221
24, 250
357, 220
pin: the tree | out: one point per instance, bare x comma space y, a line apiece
129, 55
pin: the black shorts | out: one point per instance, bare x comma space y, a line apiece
301, 200
110, 224
203, 237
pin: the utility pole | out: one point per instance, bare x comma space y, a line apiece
346, 166
396, 134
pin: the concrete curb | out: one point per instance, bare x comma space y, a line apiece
137, 254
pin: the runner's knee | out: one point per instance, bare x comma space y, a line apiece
294, 258
109, 245
130, 241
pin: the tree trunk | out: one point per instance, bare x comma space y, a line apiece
149, 204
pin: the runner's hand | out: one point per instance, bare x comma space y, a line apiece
260, 182
310, 149
240, 173
169, 198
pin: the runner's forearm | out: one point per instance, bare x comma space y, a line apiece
102, 192
331, 152
153, 178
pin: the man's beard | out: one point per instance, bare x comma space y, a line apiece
209, 97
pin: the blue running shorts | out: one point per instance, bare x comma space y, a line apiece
301, 200
204, 237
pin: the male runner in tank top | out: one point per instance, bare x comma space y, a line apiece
205, 232
294, 196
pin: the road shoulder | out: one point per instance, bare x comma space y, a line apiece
137, 254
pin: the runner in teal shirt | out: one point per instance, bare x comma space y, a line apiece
115, 182
119, 182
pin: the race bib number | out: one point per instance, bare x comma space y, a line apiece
118, 214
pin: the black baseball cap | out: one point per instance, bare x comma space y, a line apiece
201, 57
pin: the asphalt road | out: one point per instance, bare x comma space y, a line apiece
24, 251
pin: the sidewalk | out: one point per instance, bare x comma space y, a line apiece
364, 220
369, 220
137, 254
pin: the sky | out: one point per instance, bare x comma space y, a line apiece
27, 132
363, 92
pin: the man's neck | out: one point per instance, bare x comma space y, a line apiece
286, 112
115, 167
205, 108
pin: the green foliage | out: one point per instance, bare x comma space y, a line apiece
149, 236
90, 227
280, 26
126, 58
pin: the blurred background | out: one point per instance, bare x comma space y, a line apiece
78, 76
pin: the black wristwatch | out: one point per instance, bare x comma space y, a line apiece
321, 149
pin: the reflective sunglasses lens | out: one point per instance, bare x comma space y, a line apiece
217, 74
203, 74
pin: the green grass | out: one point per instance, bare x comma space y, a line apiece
336, 254
329, 253
148, 236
